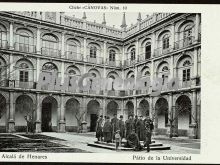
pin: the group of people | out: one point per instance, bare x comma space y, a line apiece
133, 130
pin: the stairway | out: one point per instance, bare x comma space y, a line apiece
111, 146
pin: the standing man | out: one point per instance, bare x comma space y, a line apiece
115, 125
107, 130
99, 133
121, 125
135, 123
148, 131
140, 128
129, 125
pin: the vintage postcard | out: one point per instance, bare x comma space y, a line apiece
106, 83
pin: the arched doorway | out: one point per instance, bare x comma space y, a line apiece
3, 113
183, 114
112, 108
23, 109
93, 108
129, 110
143, 109
49, 114
161, 110
72, 115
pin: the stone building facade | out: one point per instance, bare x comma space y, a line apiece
164, 45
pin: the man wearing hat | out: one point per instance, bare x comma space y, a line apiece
114, 122
107, 130
141, 129
121, 125
129, 125
99, 133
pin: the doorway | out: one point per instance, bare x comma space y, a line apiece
93, 121
46, 117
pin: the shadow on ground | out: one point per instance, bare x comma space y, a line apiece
33, 143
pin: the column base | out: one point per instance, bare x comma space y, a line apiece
38, 127
11, 126
84, 127
62, 127
192, 133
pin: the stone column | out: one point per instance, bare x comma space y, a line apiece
197, 21
84, 122
195, 66
38, 69
153, 44
11, 36
135, 105
123, 55
153, 116
105, 52
62, 122
38, 114
193, 125
62, 72
38, 46
85, 48
63, 45
172, 44
11, 122
175, 121
170, 116
104, 112
137, 50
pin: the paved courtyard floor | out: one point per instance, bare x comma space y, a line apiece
180, 145
75, 142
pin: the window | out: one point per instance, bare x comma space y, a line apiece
132, 54
23, 75
186, 75
50, 44
72, 47
112, 54
72, 72
147, 73
186, 70
49, 67
187, 32
147, 51
166, 40
23, 42
164, 75
93, 52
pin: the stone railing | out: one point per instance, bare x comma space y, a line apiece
98, 27
149, 21
32, 14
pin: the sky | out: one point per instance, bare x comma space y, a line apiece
111, 18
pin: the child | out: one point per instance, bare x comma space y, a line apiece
117, 139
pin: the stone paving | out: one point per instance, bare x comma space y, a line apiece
179, 145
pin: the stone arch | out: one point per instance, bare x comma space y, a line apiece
112, 108
93, 111
143, 108
161, 114
3, 113
24, 108
129, 109
72, 114
49, 114
130, 74
95, 72
183, 114
74, 68
145, 71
